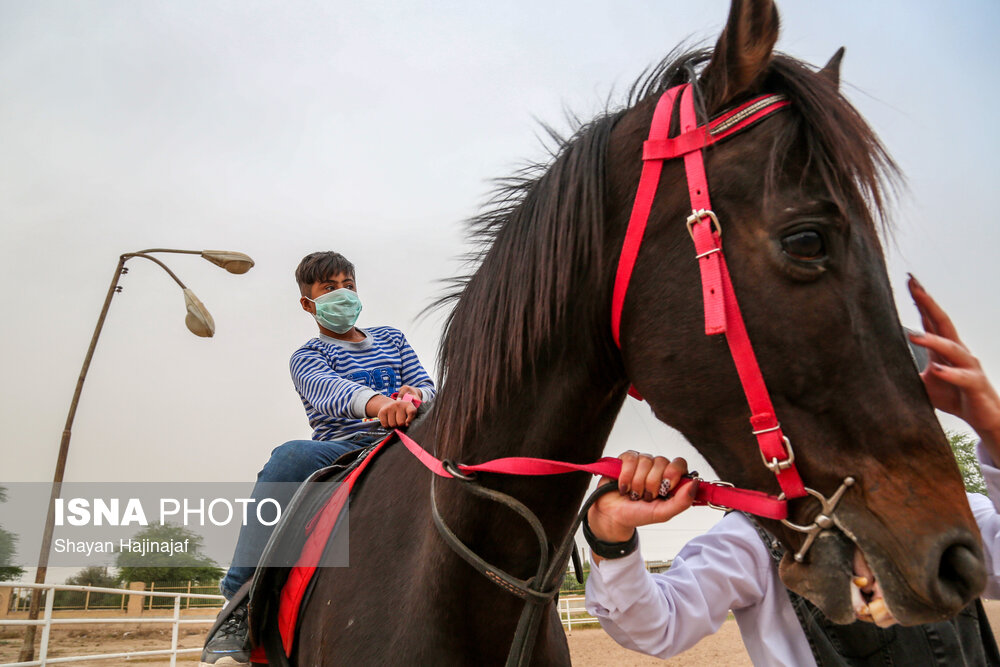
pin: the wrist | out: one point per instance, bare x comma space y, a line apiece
605, 528
376, 403
604, 548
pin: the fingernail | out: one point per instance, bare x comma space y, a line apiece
623, 489
633, 496
936, 366
647, 496
916, 283
664, 488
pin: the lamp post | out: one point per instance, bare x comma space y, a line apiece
198, 321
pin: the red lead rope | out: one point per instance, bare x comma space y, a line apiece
709, 493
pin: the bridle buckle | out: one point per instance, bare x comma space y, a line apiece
776, 466
698, 216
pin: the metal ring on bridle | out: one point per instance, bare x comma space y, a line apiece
452, 469
721, 508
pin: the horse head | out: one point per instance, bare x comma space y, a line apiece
799, 198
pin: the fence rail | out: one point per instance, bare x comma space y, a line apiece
47, 621
571, 611
92, 600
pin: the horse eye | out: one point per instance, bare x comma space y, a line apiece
806, 245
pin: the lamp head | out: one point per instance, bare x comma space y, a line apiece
234, 262
199, 321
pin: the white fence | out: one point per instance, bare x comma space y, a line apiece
47, 621
571, 611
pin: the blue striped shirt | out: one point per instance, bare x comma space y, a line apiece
336, 379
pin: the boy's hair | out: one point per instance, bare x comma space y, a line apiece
318, 266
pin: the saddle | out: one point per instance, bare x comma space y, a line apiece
304, 538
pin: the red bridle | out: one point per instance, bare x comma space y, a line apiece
722, 312
722, 315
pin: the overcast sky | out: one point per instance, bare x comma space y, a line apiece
280, 128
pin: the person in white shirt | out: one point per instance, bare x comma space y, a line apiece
733, 566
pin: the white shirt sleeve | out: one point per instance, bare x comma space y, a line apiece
664, 614
985, 510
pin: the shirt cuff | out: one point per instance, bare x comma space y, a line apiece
425, 394
623, 580
359, 400
991, 474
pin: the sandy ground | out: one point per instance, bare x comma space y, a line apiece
589, 647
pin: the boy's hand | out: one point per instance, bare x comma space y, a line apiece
390, 412
396, 414
412, 391
641, 499
954, 379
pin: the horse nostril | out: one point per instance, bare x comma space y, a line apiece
961, 575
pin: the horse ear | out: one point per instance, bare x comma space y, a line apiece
743, 52
831, 71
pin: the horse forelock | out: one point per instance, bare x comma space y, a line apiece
539, 238
854, 164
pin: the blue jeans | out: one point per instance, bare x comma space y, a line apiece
291, 462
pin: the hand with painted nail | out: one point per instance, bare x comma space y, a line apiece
643, 486
954, 379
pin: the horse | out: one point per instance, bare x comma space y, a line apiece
530, 368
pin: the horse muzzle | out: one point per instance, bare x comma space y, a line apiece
853, 574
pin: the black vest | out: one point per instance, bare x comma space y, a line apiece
965, 640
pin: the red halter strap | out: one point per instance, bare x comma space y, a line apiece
722, 312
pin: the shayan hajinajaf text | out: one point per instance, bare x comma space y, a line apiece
139, 547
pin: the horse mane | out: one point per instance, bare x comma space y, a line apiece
547, 220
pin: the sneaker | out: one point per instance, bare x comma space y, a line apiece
230, 645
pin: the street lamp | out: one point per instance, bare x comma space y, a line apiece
198, 321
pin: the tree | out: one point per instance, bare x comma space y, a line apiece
8, 547
570, 584
191, 565
95, 575
964, 447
